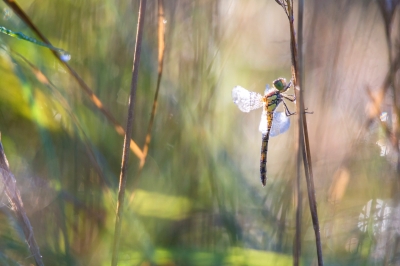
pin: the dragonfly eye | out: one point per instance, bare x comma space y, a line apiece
280, 84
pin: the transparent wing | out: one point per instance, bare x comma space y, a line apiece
263, 128
267, 89
280, 123
246, 100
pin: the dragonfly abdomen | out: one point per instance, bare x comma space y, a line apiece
264, 148
263, 159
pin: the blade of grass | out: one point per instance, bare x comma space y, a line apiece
14, 197
95, 100
129, 126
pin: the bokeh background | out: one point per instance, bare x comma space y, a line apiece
198, 199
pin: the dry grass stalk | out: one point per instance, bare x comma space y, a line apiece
303, 148
129, 127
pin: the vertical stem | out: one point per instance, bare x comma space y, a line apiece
128, 134
304, 140
161, 48
299, 146
304, 145
300, 112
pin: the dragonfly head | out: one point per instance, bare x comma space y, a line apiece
281, 85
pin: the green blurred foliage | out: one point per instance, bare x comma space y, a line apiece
198, 200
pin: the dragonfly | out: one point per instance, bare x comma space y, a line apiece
272, 122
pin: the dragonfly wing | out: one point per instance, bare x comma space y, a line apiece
280, 124
263, 128
267, 89
246, 100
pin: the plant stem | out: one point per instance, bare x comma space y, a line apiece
128, 134
161, 48
304, 145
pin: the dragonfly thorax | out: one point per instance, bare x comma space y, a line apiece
272, 99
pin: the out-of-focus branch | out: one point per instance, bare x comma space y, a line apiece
14, 196
92, 96
161, 48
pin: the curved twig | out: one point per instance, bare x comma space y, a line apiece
161, 48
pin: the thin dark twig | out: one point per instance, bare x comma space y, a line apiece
284, 6
14, 197
129, 126
94, 99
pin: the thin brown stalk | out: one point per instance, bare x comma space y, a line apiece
14, 196
300, 146
161, 48
129, 126
304, 146
92, 96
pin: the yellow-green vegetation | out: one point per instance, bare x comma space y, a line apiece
198, 199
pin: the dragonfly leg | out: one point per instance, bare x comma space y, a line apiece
287, 112
291, 98
288, 86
